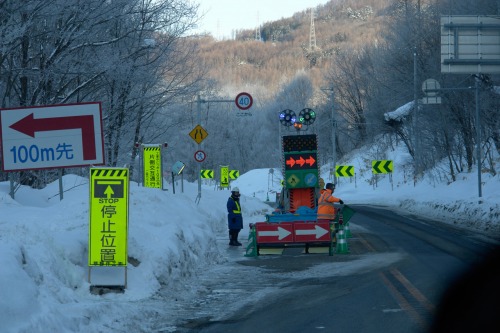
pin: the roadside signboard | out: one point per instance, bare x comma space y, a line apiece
153, 169
382, 166
207, 173
300, 161
274, 232
224, 176
108, 227
344, 171
470, 44
312, 232
53, 136
198, 134
234, 174
200, 156
243, 101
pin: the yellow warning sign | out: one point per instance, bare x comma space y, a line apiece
152, 166
198, 134
108, 225
224, 176
293, 181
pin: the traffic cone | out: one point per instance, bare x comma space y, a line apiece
347, 230
333, 239
251, 250
341, 242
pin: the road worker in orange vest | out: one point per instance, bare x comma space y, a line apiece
326, 210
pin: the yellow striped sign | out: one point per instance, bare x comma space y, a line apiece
382, 166
108, 225
344, 171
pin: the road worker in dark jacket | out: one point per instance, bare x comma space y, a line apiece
234, 217
326, 210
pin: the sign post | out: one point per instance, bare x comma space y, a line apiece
243, 101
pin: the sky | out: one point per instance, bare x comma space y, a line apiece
176, 242
221, 17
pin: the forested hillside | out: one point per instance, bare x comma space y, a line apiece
267, 60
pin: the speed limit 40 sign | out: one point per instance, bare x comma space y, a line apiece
243, 101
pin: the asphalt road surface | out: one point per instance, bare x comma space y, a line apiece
390, 281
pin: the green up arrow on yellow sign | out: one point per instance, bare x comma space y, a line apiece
344, 171
382, 166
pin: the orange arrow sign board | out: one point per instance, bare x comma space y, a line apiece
311, 161
300, 161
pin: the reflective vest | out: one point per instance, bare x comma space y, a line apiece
326, 210
238, 208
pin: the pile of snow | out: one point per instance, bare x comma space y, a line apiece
44, 241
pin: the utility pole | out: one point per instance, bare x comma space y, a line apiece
199, 101
416, 148
334, 128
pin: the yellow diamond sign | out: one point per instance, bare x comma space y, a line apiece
198, 134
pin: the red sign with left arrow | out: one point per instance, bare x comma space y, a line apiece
53, 136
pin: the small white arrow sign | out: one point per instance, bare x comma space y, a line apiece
318, 231
281, 233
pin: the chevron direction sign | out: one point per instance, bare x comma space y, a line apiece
233, 174
344, 171
206, 173
382, 166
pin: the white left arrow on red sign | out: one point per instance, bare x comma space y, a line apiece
318, 231
281, 233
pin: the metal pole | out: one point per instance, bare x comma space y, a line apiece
198, 107
61, 191
415, 114
11, 182
334, 140
173, 183
478, 132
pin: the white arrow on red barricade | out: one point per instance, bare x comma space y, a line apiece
281, 233
318, 231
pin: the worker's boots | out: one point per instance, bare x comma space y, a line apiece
233, 239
